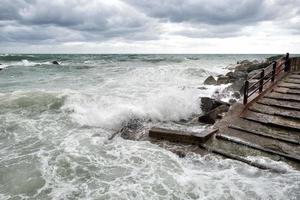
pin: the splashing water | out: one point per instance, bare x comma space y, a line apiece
55, 121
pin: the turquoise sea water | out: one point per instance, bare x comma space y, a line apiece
55, 121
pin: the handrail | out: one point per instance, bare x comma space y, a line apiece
265, 76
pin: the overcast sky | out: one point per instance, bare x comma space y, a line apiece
150, 26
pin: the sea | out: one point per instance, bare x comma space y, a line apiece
57, 123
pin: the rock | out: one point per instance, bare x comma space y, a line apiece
238, 85
242, 68
254, 72
232, 101
236, 95
244, 62
55, 62
273, 58
202, 88
257, 66
208, 104
223, 80
132, 130
181, 154
255, 62
210, 81
210, 117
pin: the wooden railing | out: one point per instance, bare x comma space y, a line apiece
259, 81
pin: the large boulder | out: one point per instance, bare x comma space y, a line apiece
210, 81
211, 117
273, 58
223, 80
257, 66
244, 62
208, 104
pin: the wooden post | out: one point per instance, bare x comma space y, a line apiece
261, 83
246, 86
287, 63
274, 71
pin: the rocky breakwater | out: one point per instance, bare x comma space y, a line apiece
213, 108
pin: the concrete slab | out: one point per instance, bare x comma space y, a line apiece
260, 148
271, 110
286, 97
279, 103
268, 134
291, 80
286, 90
270, 120
181, 136
297, 76
289, 85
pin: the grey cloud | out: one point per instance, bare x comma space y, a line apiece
58, 21
216, 12
92, 20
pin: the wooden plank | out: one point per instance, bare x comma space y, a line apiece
289, 85
286, 97
271, 120
279, 103
181, 136
266, 135
294, 114
286, 90
257, 147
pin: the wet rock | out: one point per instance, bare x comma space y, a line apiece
244, 62
55, 62
236, 95
133, 130
232, 101
273, 58
257, 66
210, 81
238, 86
212, 116
254, 72
237, 75
181, 154
223, 80
208, 104
202, 88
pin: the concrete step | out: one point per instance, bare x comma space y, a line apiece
279, 103
292, 80
286, 97
181, 136
234, 156
283, 90
266, 134
289, 85
264, 128
271, 120
266, 142
271, 110
238, 141
296, 76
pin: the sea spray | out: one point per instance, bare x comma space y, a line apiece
56, 121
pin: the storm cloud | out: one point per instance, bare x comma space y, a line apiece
66, 21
